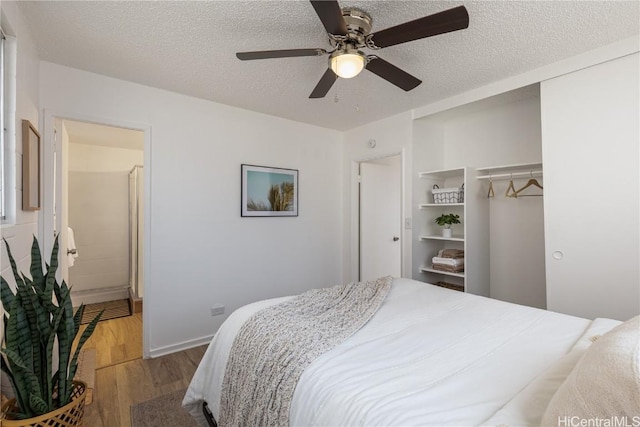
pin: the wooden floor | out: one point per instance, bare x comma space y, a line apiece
116, 340
123, 378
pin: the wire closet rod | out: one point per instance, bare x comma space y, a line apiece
503, 176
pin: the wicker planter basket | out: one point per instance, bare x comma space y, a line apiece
69, 415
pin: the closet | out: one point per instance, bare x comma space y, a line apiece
503, 237
570, 241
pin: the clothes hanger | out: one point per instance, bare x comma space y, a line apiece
532, 182
511, 188
490, 193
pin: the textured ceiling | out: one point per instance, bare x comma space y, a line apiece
189, 47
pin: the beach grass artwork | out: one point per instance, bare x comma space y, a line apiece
268, 191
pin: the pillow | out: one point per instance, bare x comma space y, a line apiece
605, 383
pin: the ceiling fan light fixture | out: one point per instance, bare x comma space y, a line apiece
348, 63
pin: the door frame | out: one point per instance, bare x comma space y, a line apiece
45, 215
354, 241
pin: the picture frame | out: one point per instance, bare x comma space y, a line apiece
30, 167
268, 191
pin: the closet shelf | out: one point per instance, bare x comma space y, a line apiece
504, 176
520, 170
519, 167
435, 205
446, 273
450, 239
443, 173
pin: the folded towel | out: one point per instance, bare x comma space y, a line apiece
449, 268
448, 261
451, 253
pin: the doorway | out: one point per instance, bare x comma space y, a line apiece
55, 200
95, 223
380, 217
91, 203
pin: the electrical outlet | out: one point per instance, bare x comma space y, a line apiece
217, 309
407, 223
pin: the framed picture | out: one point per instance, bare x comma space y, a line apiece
269, 191
30, 167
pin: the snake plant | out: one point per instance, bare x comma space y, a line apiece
38, 314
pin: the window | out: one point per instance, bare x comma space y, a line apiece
7, 125
2, 126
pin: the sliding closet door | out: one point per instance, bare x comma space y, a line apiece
590, 139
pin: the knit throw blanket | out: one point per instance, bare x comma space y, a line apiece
276, 344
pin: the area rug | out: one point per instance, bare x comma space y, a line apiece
112, 310
163, 411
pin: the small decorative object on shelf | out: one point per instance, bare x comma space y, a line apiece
446, 221
447, 195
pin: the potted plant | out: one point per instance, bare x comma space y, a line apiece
446, 220
38, 314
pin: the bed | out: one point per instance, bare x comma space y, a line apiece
429, 356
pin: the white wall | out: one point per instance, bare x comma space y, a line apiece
20, 226
96, 158
491, 136
200, 251
99, 218
392, 136
99, 214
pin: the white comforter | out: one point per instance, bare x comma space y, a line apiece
429, 357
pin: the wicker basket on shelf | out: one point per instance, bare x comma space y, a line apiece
69, 415
452, 286
447, 195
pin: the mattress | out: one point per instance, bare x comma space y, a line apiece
429, 357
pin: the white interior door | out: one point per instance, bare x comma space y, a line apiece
380, 219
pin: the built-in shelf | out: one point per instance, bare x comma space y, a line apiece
451, 239
446, 273
442, 174
436, 205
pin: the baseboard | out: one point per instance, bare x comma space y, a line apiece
99, 295
185, 345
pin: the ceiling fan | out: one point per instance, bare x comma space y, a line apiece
349, 30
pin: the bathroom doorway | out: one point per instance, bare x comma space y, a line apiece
101, 211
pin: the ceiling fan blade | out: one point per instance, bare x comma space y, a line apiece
392, 74
285, 53
330, 14
325, 83
432, 25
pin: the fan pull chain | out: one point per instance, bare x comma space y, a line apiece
358, 96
